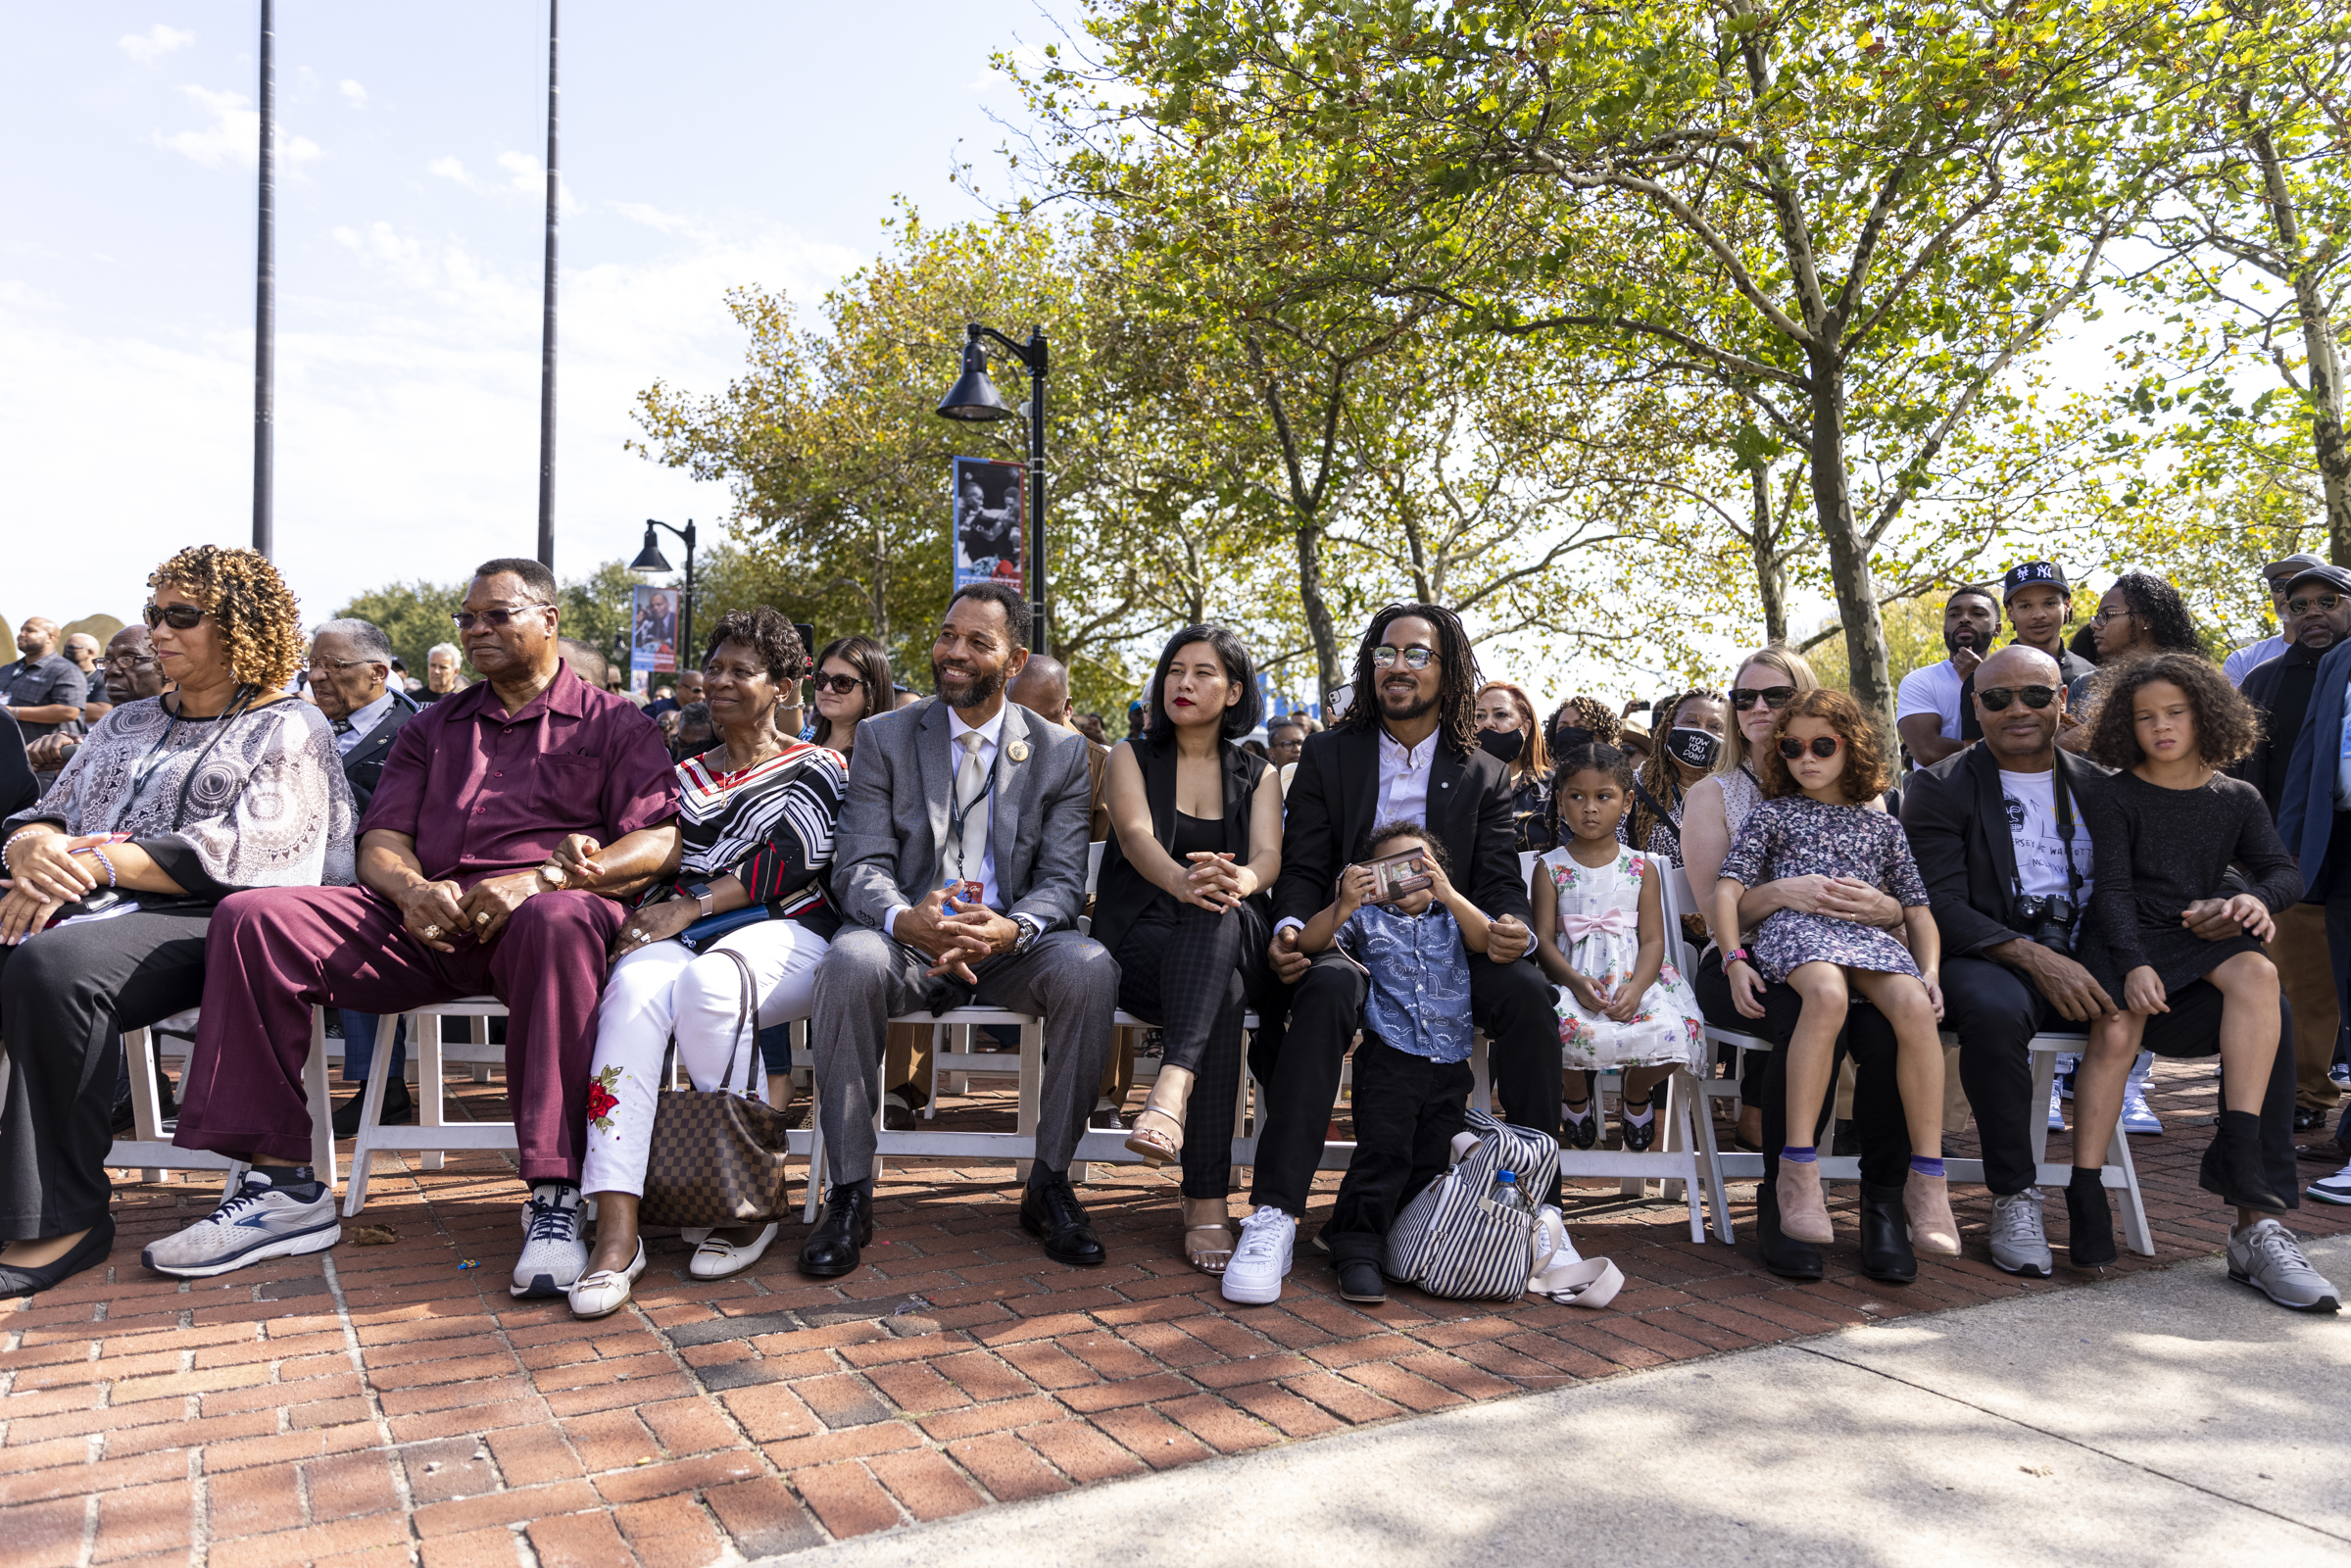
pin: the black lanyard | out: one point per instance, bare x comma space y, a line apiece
955, 819
155, 757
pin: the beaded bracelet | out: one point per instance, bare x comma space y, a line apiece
108, 863
12, 844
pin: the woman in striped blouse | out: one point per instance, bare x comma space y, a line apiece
755, 815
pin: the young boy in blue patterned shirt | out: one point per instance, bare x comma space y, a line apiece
1412, 1073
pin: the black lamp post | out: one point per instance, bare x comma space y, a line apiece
974, 397
651, 560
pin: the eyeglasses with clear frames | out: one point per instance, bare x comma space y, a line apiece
1384, 656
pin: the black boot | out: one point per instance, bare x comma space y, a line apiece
1783, 1255
2090, 1223
399, 1106
2232, 1165
1051, 1212
1886, 1252
835, 1247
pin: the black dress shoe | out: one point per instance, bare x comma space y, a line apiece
2307, 1120
1886, 1252
88, 1252
1639, 1136
835, 1246
1360, 1282
1050, 1211
2088, 1222
399, 1106
1783, 1255
2232, 1165
1580, 1130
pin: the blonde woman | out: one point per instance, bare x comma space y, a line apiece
1506, 728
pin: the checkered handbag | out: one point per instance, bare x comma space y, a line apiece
1453, 1241
717, 1156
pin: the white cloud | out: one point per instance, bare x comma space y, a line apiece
654, 217
523, 174
235, 133
355, 94
156, 42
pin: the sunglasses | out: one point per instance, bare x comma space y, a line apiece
1821, 746
466, 619
838, 685
2329, 603
1996, 698
1744, 698
1414, 658
179, 618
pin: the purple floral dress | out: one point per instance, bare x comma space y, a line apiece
1796, 835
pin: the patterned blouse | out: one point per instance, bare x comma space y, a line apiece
771, 825
221, 803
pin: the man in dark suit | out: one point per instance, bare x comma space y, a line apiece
350, 679
1406, 750
2314, 817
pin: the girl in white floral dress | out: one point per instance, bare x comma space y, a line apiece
1599, 936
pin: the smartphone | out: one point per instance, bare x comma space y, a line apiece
1395, 875
1335, 704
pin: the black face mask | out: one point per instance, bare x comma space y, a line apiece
1693, 748
1504, 745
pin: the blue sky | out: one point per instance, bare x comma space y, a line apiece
704, 146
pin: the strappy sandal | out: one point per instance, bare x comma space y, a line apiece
1638, 1137
1209, 1235
1159, 1131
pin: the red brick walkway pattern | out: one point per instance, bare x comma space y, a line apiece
387, 1404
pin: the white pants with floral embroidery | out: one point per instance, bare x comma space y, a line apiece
665, 989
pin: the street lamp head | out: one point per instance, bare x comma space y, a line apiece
649, 559
973, 397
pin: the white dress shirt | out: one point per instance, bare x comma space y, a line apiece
979, 858
362, 720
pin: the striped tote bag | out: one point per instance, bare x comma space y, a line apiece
1453, 1241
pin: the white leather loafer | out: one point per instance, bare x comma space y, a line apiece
716, 1259
605, 1291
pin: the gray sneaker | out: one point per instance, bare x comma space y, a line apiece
254, 1223
2265, 1255
553, 1255
2020, 1244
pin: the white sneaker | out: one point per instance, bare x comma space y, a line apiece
2056, 1107
606, 1292
554, 1255
1261, 1260
257, 1221
716, 1257
2334, 1189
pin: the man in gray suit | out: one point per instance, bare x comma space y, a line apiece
961, 862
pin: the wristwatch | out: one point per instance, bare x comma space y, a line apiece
1030, 930
554, 875
1739, 955
700, 894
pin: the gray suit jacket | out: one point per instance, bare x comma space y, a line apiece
901, 784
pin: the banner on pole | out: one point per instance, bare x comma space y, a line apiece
652, 635
988, 520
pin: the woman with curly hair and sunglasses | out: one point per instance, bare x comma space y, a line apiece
172, 804
1823, 771
2165, 832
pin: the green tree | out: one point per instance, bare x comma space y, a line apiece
414, 616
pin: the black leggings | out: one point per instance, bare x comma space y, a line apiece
1192, 972
66, 996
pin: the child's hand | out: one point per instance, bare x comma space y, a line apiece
2142, 990
1441, 886
1624, 1002
1356, 885
1934, 992
1746, 988
2253, 915
1585, 992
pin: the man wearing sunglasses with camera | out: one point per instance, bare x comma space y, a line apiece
2002, 841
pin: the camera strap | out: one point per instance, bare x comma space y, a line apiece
2063, 801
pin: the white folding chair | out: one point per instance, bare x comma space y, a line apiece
433, 1136
149, 1149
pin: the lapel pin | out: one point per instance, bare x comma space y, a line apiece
1018, 750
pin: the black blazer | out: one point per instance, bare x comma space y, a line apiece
1120, 892
1958, 829
1335, 791
364, 765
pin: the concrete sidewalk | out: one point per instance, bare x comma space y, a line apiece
2167, 1417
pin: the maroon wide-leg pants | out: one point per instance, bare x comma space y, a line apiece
272, 953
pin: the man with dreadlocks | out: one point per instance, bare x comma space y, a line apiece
1407, 750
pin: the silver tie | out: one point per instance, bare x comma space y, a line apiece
970, 780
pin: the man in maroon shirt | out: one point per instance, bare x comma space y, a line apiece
457, 896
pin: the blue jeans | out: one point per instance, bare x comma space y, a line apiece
359, 1044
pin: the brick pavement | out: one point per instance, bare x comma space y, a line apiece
386, 1405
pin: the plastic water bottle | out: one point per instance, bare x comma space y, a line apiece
1506, 1193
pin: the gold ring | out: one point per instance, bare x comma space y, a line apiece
481, 918
636, 936
432, 931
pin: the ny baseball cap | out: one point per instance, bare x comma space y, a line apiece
2033, 574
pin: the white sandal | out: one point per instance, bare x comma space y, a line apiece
606, 1290
716, 1259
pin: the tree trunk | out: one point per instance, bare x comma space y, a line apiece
2319, 348
1771, 572
1318, 611
1848, 557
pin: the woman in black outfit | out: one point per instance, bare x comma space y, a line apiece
1182, 901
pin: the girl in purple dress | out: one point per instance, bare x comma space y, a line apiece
1822, 772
